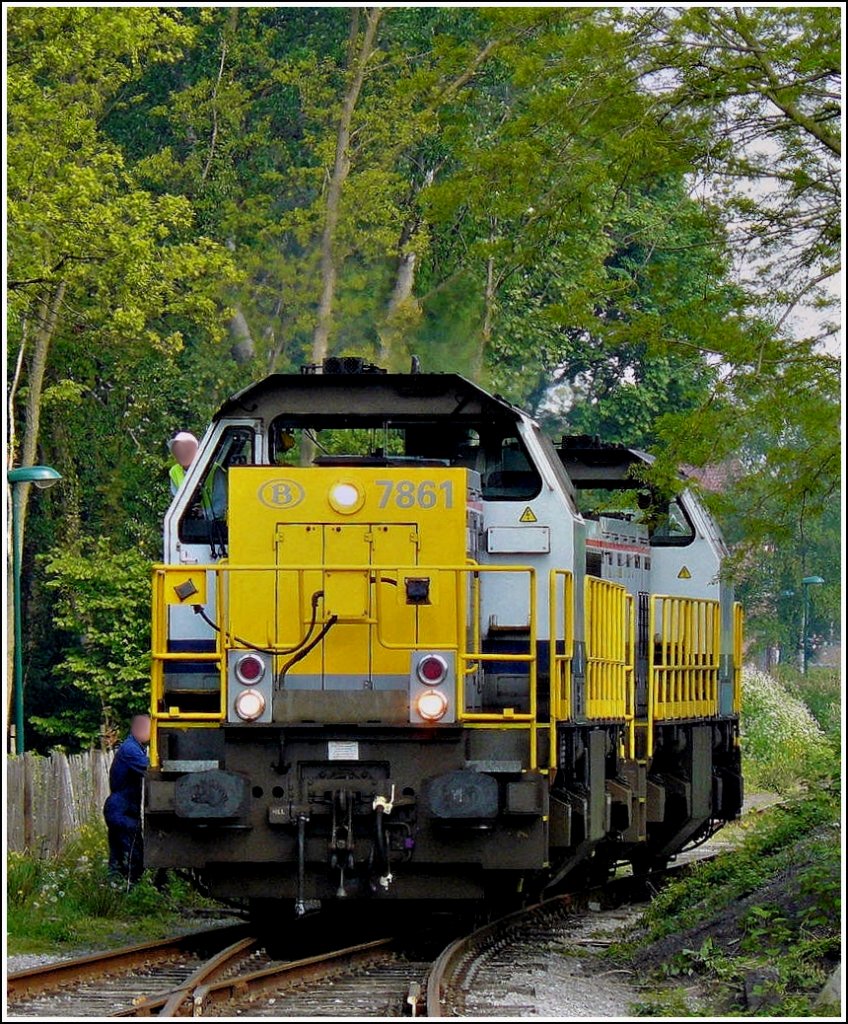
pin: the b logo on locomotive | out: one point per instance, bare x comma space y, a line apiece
281, 493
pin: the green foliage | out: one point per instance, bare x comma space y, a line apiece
70, 900
783, 746
768, 847
132, 262
767, 918
764, 84
101, 600
522, 204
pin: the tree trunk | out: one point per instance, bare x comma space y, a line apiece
404, 281
401, 295
242, 348
46, 316
341, 168
488, 317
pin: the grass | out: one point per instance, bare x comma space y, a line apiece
758, 930
70, 901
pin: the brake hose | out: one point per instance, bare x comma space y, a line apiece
328, 625
316, 597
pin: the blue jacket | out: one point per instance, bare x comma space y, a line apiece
123, 806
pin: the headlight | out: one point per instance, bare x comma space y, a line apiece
431, 705
432, 669
250, 669
249, 705
346, 497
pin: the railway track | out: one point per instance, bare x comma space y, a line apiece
469, 976
229, 972
104, 984
200, 974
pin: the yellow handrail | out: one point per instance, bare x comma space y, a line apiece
684, 658
609, 664
467, 660
738, 641
559, 665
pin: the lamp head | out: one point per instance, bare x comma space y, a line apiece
41, 476
812, 580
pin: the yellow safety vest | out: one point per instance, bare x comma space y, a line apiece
178, 475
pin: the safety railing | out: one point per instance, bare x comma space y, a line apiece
610, 646
462, 637
561, 632
683, 658
161, 713
561, 651
738, 641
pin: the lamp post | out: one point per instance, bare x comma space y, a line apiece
42, 477
806, 583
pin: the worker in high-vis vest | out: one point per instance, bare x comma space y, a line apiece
184, 449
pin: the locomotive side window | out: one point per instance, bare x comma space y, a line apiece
673, 528
205, 519
509, 474
668, 524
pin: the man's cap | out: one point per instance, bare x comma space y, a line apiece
183, 435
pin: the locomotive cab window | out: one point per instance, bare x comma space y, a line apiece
492, 449
205, 519
668, 523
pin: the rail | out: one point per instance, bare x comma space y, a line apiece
36, 980
450, 976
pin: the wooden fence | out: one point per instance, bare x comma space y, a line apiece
49, 798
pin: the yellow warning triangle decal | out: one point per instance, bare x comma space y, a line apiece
684, 574
527, 516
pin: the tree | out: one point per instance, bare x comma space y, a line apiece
102, 602
89, 252
765, 83
91, 256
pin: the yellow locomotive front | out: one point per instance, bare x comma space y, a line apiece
389, 673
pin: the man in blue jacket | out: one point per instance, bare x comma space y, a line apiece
122, 809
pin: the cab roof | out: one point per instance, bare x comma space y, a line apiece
367, 395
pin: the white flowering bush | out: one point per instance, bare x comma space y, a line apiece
783, 746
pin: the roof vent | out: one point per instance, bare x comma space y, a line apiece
342, 365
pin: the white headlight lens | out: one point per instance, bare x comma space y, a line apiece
249, 705
346, 497
431, 706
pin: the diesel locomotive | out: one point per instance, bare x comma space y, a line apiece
407, 647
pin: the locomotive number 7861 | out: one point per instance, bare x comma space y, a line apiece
409, 494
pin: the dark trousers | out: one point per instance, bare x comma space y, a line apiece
126, 852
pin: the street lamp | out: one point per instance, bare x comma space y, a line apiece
807, 582
42, 477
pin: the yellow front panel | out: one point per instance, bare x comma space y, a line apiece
348, 596
398, 621
297, 544
390, 522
